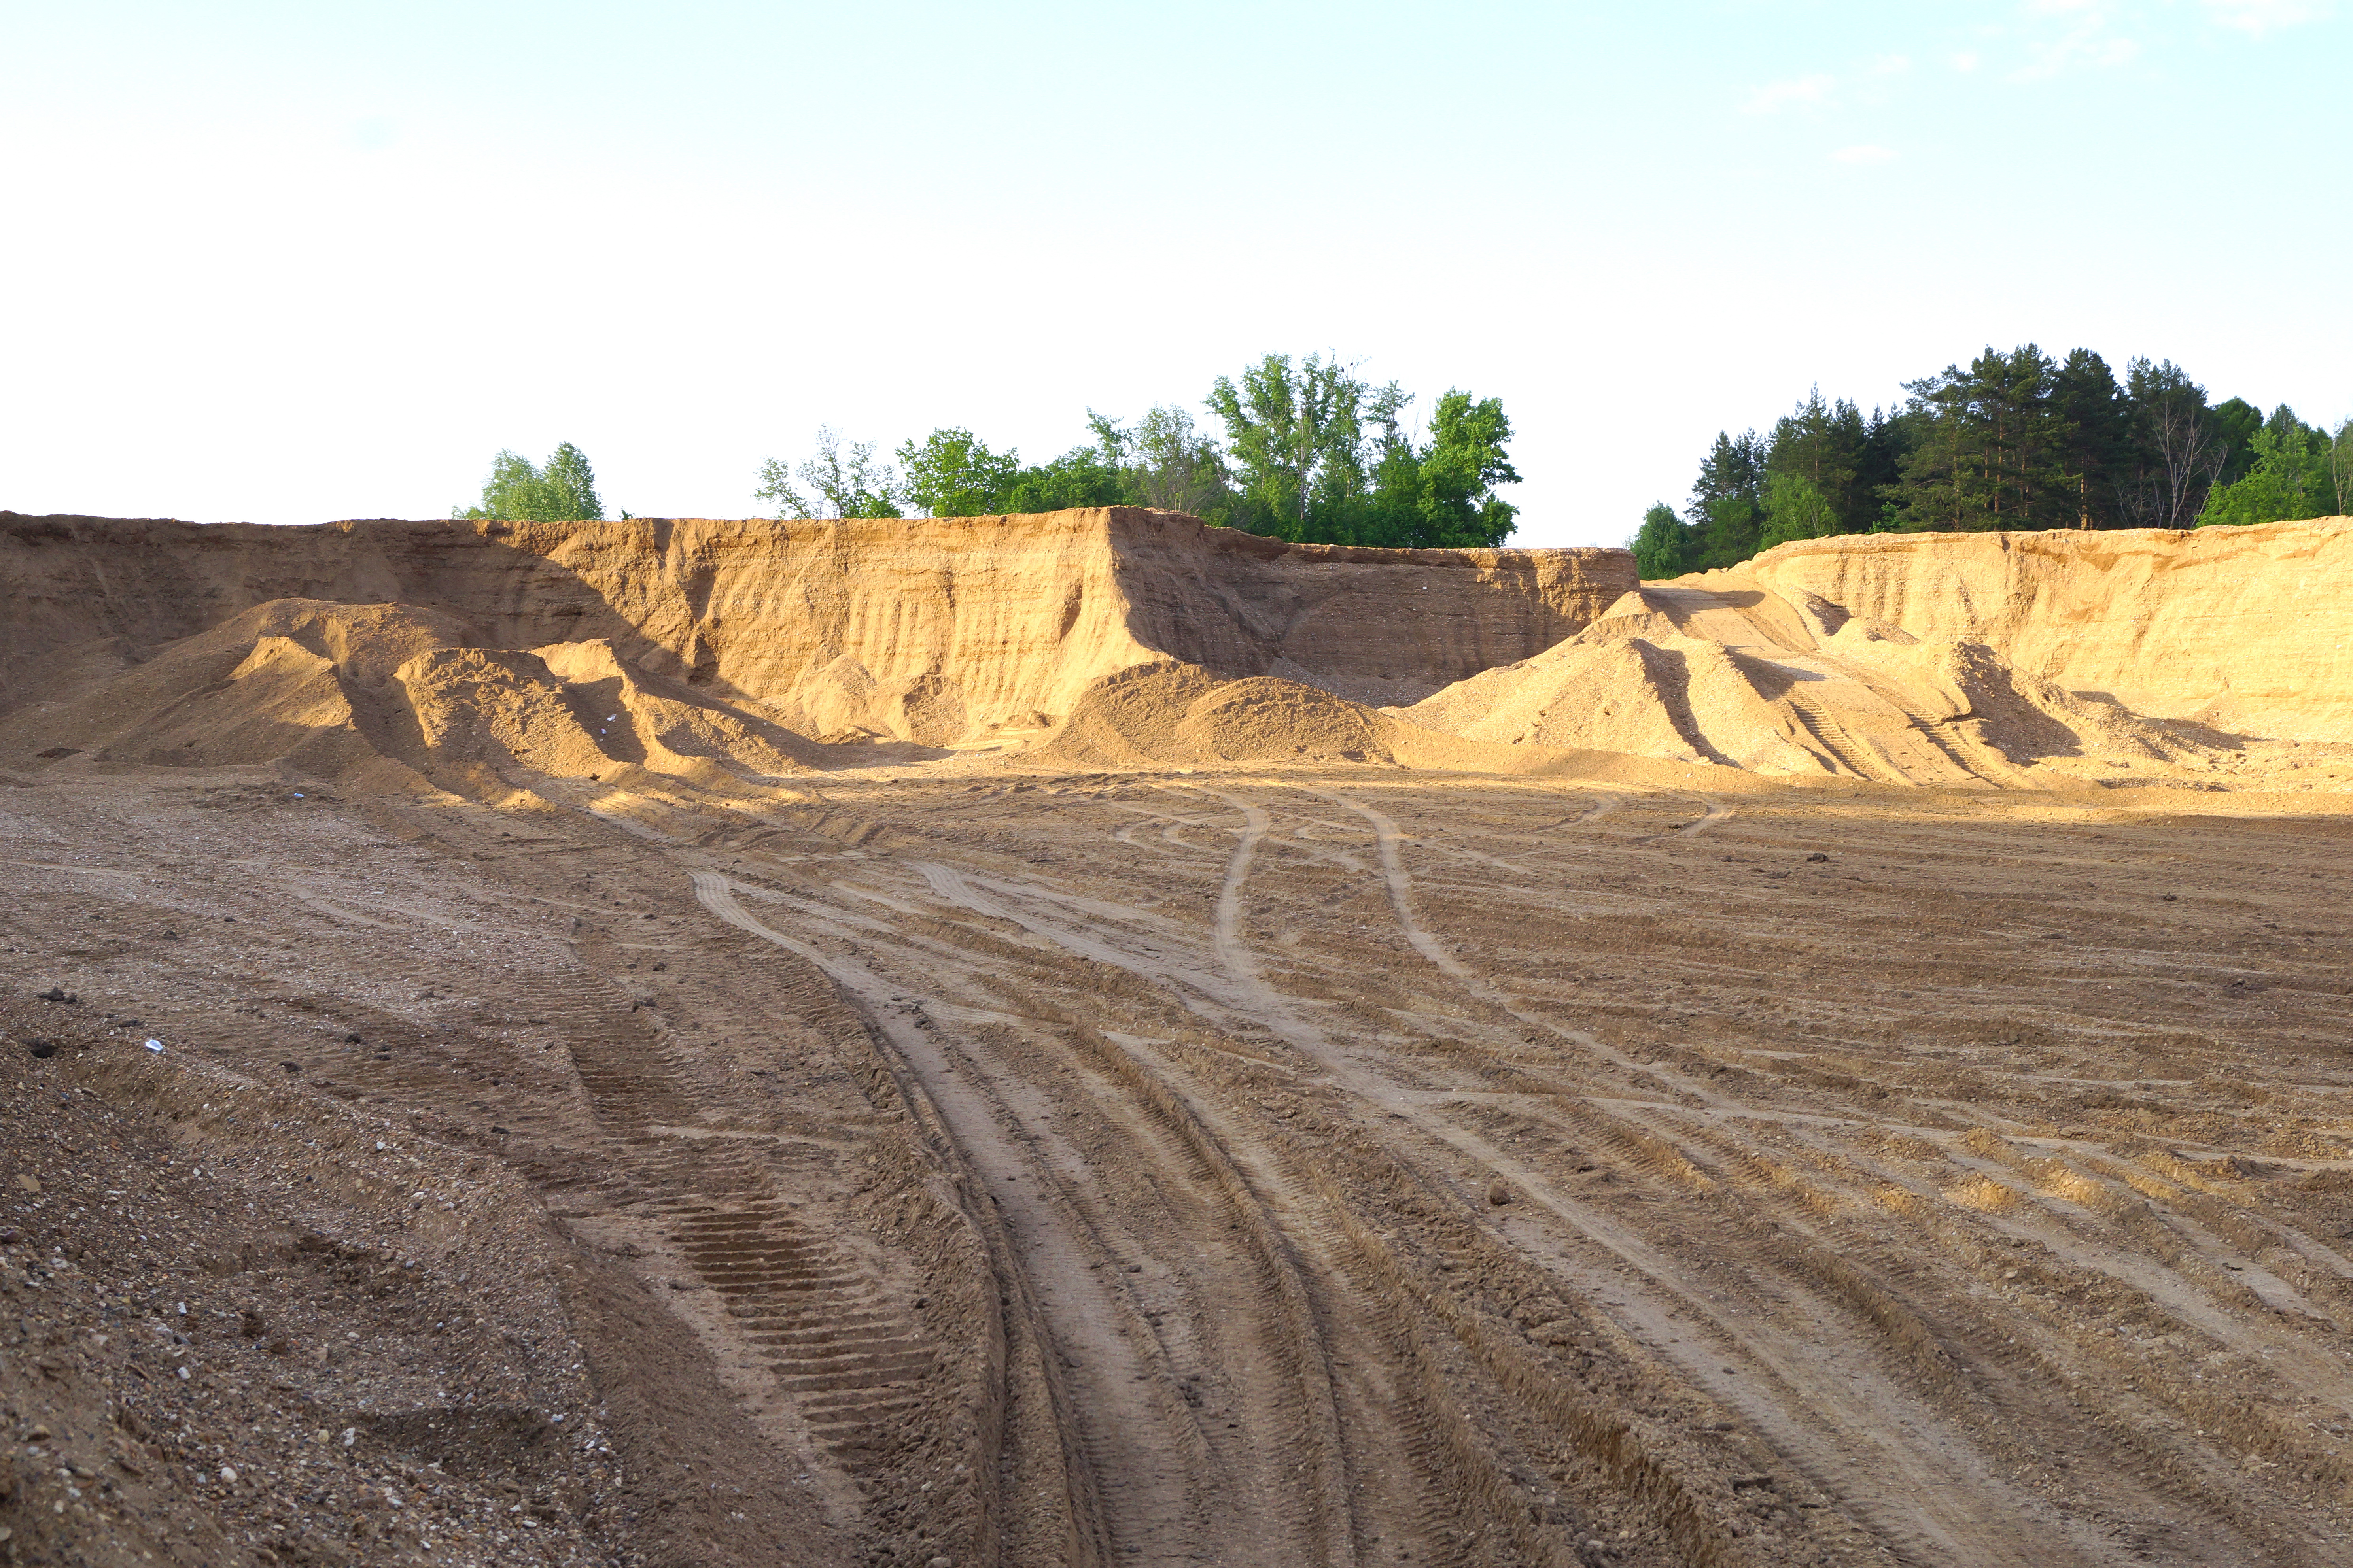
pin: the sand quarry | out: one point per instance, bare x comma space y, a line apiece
1085, 1039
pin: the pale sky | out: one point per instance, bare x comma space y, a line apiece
289, 263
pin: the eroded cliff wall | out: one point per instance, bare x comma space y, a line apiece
930, 630
2245, 629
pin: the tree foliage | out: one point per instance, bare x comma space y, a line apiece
2288, 475
1662, 546
951, 473
2011, 440
839, 484
1311, 452
562, 489
1296, 435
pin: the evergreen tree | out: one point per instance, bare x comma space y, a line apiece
1727, 503
1733, 469
1887, 441
2095, 434
2236, 421
1991, 448
1822, 444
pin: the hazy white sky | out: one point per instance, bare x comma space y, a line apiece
297, 262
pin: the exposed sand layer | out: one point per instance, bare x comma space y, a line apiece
938, 633
1970, 659
1174, 1110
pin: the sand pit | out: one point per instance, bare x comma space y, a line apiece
1077, 1040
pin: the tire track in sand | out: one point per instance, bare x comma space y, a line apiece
1128, 1502
1895, 1462
1324, 1489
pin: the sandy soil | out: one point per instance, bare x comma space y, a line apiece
1334, 1164
1089, 1039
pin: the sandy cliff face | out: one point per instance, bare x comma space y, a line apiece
572, 647
676, 645
2243, 628
1957, 658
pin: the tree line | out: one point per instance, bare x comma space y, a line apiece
2017, 440
1310, 451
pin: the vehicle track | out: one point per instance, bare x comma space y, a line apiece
1900, 1465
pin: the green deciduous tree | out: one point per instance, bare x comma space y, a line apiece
1084, 476
2340, 467
1163, 462
1295, 435
951, 473
1728, 529
854, 485
1662, 546
1177, 468
1313, 453
2288, 477
1794, 509
562, 490
1439, 494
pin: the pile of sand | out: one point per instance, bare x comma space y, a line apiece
2009, 670
492, 657
1180, 714
351, 692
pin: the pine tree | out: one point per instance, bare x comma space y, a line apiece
1992, 447
1822, 444
2095, 435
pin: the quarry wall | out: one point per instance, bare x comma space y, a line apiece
930, 630
2242, 628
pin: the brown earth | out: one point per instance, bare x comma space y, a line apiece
1104, 1091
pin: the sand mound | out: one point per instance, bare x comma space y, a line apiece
338, 691
2241, 629
1827, 658
1180, 714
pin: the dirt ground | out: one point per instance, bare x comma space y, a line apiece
1248, 1165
